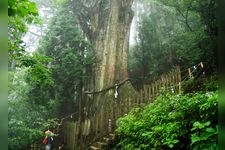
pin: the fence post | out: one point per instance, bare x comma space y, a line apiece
103, 114
179, 78
146, 93
141, 96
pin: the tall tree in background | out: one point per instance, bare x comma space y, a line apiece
106, 23
153, 52
103, 23
174, 33
207, 12
71, 60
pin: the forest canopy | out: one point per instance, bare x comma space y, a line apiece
174, 33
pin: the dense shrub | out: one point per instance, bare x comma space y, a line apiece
22, 134
200, 84
185, 121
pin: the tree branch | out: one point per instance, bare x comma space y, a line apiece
185, 17
34, 34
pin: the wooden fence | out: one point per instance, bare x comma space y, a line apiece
99, 115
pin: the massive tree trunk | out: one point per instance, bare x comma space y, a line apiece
111, 43
107, 25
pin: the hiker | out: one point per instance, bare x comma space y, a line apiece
48, 140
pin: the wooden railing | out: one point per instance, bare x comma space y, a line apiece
103, 108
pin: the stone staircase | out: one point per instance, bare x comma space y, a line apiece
106, 143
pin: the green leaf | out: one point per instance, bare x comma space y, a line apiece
210, 130
171, 145
207, 123
194, 139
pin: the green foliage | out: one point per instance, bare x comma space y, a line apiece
33, 67
51, 123
24, 9
204, 136
206, 12
24, 132
38, 72
186, 121
20, 14
26, 120
175, 33
201, 84
71, 56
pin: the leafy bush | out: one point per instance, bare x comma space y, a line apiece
201, 84
22, 134
187, 121
26, 121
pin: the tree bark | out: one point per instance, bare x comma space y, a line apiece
108, 29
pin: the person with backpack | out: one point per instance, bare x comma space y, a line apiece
48, 140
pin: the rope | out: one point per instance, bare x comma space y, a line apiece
122, 82
108, 88
61, 120
185, 78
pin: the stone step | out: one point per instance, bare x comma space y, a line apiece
112, 135
107, 139
94, 148
102, 145
105, 143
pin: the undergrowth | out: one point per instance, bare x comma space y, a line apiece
183, 121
